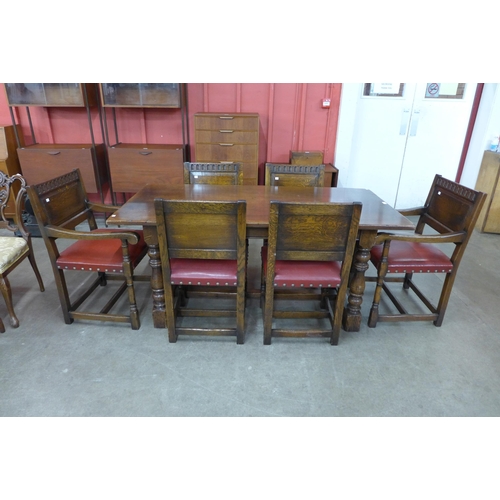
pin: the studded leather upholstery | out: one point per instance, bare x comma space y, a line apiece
203, 272
100, 255
410, 257
304, 274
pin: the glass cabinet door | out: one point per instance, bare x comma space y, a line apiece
143, 95
44, 94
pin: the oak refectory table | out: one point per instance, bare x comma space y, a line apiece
376, 215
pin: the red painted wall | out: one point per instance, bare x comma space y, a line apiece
291, 118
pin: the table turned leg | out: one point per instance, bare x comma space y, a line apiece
351, 320
158, 293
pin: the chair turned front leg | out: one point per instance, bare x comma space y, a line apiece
7, 295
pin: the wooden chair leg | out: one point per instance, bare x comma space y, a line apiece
444, 298
31, 258
7, 295
2, 326
170, 313
268, 314
62, 291
373, 317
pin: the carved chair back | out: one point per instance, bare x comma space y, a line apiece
213, 173
451, 208
284, 174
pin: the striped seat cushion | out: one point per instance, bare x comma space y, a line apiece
11, 249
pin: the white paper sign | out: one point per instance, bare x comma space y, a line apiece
386, 88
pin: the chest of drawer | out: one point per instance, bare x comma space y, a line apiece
226, 152
42, 162
133, 166
226, 136
221, 121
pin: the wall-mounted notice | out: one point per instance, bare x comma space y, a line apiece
385, 88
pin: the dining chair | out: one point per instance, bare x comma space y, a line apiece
447, 217
310, 247
13, 249
65, 215
213, 173
203, 254
284, 174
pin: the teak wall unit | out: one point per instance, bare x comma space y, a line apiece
132, 165
229, 138
41, 162
488, 182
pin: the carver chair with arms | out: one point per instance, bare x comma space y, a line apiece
213, 173
14, 250
284, 174
310, 247
60, 205
450, 211
203, 254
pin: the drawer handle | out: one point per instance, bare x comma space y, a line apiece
230, 162
226, 117
225, 144
144, 153
53, 153
226, 131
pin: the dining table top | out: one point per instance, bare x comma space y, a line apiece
376, 214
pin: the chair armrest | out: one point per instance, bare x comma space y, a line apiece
411, 211
421, 238
101, 207
56, 232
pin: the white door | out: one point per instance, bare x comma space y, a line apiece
401, 135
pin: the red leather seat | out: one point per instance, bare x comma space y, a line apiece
100, 255
304, 274
409, 257
203, 272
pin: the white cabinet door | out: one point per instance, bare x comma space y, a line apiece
397, 142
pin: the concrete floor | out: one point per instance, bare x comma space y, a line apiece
48, 368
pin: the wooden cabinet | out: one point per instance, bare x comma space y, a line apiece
132, 165
9, 164
135, 165
42, 161
306, 157
229, 138
488, 182
316, 158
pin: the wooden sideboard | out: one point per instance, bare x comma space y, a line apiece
488, 182
229, 138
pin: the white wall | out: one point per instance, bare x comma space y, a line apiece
487, 124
